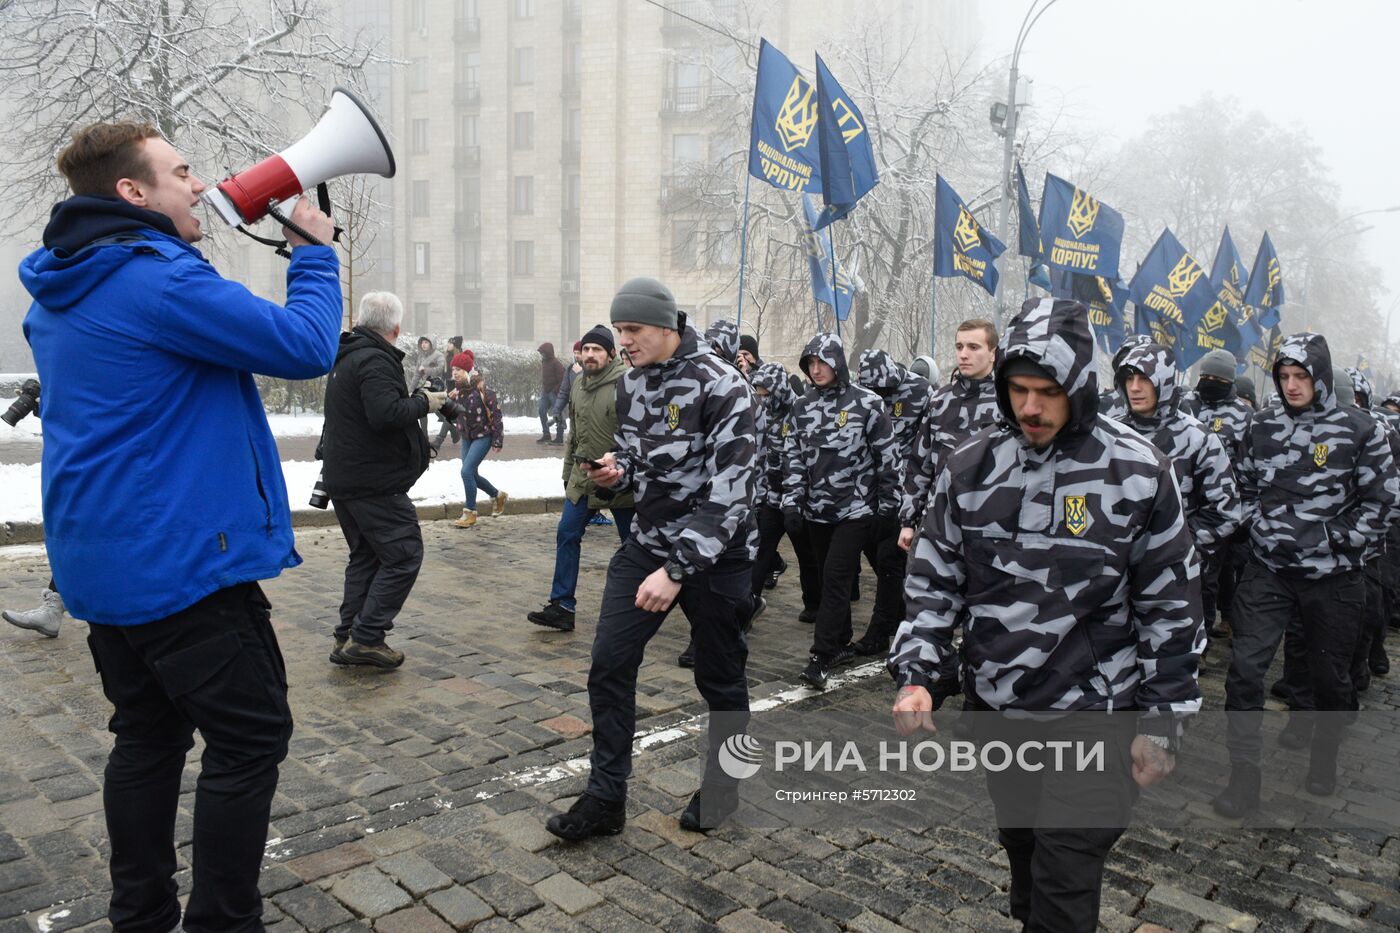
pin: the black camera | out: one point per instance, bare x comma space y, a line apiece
25, 405
451, 410
319, 499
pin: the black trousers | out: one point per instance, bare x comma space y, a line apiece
386, 551
1056, 866
715, 601
837, 547
1371, 638
215, 667
1212, 567
770, 534
1235, 553
1327, 613
889, 560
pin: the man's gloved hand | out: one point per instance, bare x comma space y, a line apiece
435, 400
792, 521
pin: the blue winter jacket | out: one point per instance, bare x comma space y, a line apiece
161, 479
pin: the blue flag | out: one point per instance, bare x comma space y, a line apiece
847, 157
1265, 352
1104, 300
1265, 293
817, 244
1078, 232
783, 147
1172, 295
960, 245
1227, 279
1027, 228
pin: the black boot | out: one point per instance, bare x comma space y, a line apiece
1322, 767
589, 816
1241, 795
709, 807
687, 657
1297, 734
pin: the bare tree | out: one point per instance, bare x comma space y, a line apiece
362, 219
218, 77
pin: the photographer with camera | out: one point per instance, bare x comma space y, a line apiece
374, 451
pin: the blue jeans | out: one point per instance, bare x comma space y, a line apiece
472, 454
572, 524
545, 407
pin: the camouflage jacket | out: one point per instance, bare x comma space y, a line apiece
723, 338
1317, 483
906, 396
1070, 566
1227, 419
777, 414
686, 445
956, 411
1110, 403
839, 458
1203, 469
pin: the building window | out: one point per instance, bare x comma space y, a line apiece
469, 323
569, 327
573, 125
422, 259
523, 322
573, 61
683, 237
523, 257
524, 9
685, 150
573, 191
525, 65
685, 87
524, 194
468, 130
421, 312
470, 253
471, 69
420, 15
524, 130
573, 252
418, 140
420, 201
418, 75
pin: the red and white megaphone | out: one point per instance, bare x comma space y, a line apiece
345, 141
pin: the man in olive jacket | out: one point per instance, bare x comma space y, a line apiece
593, 417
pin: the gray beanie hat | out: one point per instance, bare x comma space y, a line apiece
645, 301
1219, 363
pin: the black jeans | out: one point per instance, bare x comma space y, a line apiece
1371, 642
770, 534
1056, 866
889, 560
1233, 558
386, 550
1212, 569
837, 548
1328, 614
713, 601
214, 667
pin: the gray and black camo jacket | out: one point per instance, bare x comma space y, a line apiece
777, 422
906, 395
686, 445
1317, 483
956, 411
1070, 566
1110, 402
839, 460
1204, 473
723, 338
1227, 419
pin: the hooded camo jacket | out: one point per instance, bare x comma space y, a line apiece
1227, 419
686, 445
839, 459
1317, 482
777, 424
906, 396
956, 411
1070, 565
1203, 470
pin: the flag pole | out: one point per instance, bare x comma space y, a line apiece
743, 249
835, 289
933, 294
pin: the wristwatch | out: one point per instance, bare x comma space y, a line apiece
675, 571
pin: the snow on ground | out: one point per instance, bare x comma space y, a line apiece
309, 425
522, 479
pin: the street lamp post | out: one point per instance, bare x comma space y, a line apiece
1009, 141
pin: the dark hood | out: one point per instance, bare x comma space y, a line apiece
1158, 364
723, 338
1130, 343
363, 339
81, 219
1360, 385
772, 377
879, 373
1310, 352
1054, 333
546, 351
828, 349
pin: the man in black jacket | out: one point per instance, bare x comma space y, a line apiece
374, 452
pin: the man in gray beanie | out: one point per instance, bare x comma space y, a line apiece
688, 444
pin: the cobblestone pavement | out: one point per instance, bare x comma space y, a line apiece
415, 800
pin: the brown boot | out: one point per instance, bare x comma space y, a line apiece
500, 507
467, 520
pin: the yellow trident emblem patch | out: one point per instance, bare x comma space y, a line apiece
1083, 212
1183, 277
1215, 317
1076, 515
797, 118
673, 416
1217, 424
899, 409
841, 419
785, 429
966, 231
1320, 454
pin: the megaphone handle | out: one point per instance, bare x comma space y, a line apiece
323, 199
286, 221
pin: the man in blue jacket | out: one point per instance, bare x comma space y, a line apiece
164, 504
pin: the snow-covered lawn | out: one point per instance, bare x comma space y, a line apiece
309, 425
522, 479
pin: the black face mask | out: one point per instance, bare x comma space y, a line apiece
1213, 390
883, 392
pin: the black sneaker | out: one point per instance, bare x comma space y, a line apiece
772, 581
759, 604
687, 657
543, 440
709, 807
816, 672
807, 616
1280, 690
553, 616
1241, 795
1380, 663
1297, 734
844, 655
589, 816
380, 655
869, 645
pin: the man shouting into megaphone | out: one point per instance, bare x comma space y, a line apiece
164, 505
